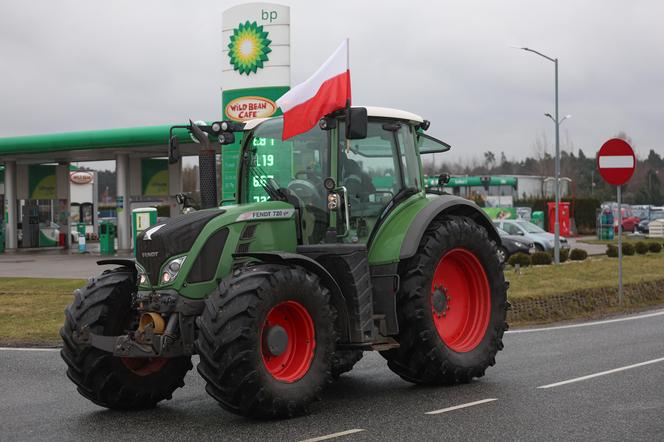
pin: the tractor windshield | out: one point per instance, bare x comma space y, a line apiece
295, 167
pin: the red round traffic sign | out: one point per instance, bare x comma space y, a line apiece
616, 161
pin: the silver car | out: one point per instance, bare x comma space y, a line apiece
544, 241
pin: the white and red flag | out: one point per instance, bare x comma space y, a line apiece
324, 92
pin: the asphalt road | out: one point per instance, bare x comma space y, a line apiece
37, 401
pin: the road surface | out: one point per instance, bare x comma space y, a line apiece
589, 381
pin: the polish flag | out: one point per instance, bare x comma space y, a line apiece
324, 92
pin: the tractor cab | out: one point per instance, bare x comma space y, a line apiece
367, 177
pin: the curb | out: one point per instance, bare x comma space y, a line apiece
586, 303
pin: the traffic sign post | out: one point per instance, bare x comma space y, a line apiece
616, 163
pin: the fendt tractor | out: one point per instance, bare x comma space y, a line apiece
332, 246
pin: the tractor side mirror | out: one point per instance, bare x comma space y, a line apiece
173, 150
358, 122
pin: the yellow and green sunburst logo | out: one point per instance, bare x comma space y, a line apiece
248, 48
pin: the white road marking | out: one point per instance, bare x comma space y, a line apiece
616, 161
458, 407
615, 370
588, 324
332, 436
27, 349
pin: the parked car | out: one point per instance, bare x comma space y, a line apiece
543, 240
629, 219
511, 244
654, 213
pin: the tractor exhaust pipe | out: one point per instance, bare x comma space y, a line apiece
207, 168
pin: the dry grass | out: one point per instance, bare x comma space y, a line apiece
31, 309
591, 273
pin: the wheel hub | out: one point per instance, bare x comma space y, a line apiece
439, 300
288, 341
460, 272
275, 340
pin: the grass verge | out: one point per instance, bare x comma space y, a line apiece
571, 276
32, 309
629, 239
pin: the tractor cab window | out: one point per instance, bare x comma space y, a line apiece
409, 162
293, 169
372, 172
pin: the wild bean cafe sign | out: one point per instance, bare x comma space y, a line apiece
247, 108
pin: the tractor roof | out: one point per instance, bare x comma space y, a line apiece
372, 111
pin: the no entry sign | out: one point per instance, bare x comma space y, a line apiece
616, 161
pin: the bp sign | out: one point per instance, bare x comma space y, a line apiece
255, 71
248, 48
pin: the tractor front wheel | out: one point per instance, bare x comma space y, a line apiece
104, 305
266, 340
451, 306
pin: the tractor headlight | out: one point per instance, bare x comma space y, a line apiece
172, 269
142, 275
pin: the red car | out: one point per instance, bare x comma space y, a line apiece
629, 221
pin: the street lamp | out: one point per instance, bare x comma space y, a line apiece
556, 252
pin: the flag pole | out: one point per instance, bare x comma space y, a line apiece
348, 99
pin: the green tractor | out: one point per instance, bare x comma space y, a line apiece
332, 247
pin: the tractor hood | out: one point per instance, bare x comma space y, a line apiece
203, 243
170, 238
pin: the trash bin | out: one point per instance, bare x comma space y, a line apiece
537, 218
107, 234
142, 219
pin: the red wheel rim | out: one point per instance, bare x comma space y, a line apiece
144, 366
294, 362
460, 300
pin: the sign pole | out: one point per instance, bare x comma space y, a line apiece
616, 163
620, 254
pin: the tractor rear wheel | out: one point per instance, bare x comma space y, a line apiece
451, 306
104, 305
266, 340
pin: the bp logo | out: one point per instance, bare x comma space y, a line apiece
248, 48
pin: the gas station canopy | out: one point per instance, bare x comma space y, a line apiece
95, 145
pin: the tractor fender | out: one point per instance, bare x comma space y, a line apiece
125, 262
338, 300
439, 206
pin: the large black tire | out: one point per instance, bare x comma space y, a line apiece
424, 357
104, 304
231, 341
343, 361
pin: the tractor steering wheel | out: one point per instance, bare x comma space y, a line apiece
305, 190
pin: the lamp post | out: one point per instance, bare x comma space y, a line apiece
556, 253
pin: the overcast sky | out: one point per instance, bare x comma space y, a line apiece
79, 65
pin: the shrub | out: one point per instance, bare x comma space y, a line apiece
564, 254
628, 249
611, 251
540, 259
578, 254
641, 248
655, 247
523, 259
